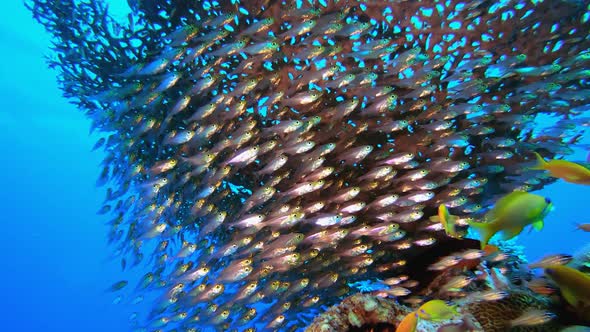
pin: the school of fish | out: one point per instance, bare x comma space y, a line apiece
262, 157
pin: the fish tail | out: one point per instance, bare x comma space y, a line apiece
541, 163
450, 227
485, 231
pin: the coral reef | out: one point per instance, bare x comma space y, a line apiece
365, 312
581, 259
495, 296
359, 311
494, 316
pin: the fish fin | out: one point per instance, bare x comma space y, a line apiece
509, 233
450, 226
541, 163
569, 296
538, 225
485, 231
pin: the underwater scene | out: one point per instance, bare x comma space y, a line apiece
315, 165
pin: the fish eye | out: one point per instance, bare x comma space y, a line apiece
549, 271
547, 200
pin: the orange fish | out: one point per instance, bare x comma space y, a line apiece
563, 169
409, 323
583, 227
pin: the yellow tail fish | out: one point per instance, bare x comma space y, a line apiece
573, 284
511, 214
436, 310
447, 220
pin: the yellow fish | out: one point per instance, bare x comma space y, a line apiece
563, 169
436, 310
409, 323
447, 220
511, 214
573, 284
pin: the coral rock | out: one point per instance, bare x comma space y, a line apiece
357, 311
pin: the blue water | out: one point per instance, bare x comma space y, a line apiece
54, 263
53, 251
